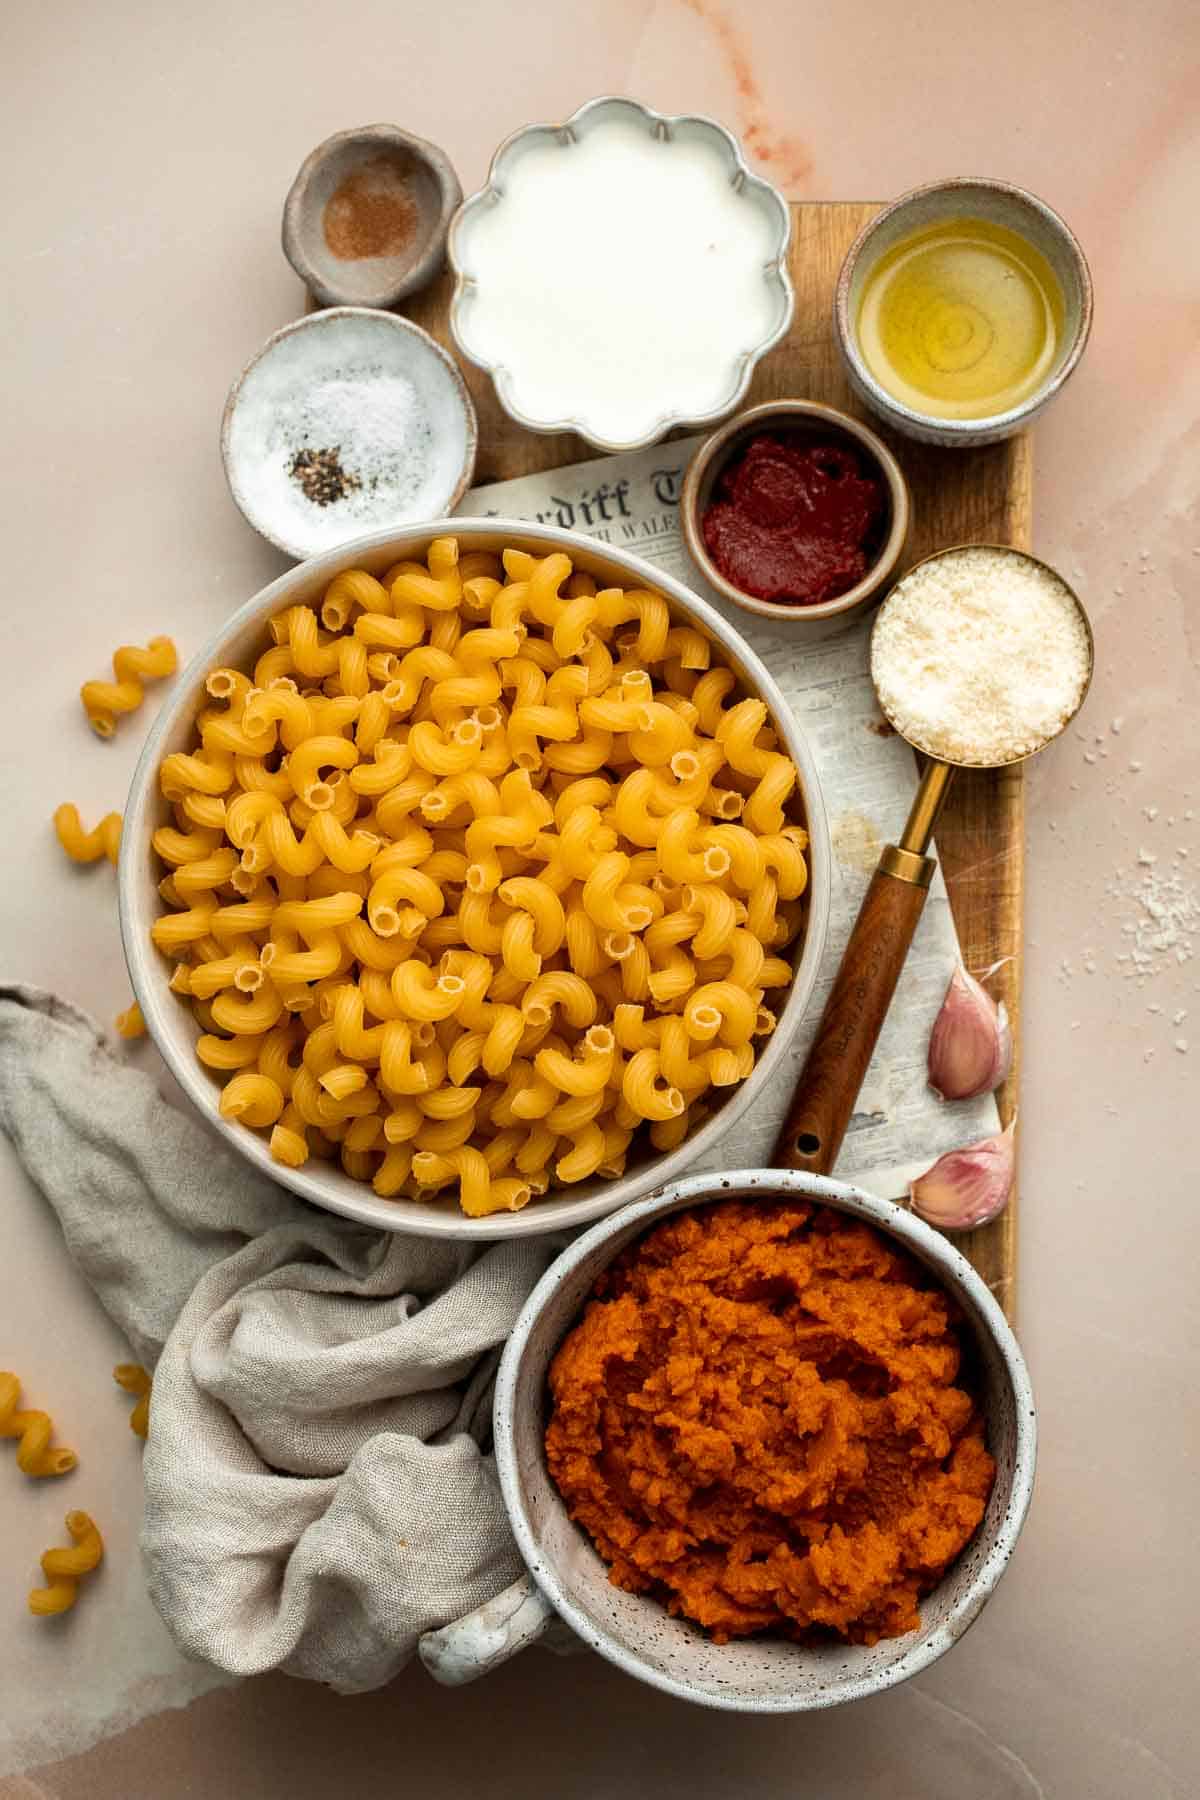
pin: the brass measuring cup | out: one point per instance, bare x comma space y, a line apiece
862, 991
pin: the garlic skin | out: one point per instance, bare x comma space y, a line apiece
970, 1187
970, 1046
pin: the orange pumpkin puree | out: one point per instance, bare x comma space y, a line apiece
757, 1420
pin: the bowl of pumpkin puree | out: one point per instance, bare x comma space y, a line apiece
766, 1442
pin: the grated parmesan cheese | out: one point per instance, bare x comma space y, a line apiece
980, 656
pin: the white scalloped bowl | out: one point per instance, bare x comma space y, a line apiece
620, 274
170, 1022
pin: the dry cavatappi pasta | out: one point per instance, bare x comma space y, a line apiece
480, 871
36, 1455
102, 701
81, 845
135, 1380
63, 1568
130, 1023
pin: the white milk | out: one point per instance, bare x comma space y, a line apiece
620, 279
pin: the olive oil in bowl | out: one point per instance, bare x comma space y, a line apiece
963, 319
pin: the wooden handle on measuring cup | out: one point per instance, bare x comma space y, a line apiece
854, 1013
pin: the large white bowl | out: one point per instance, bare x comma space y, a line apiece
170, 1020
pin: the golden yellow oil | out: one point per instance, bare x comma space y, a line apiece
961, 320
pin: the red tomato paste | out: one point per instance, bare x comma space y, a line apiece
795, 521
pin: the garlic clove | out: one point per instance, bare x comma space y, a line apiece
969, 1187
970, 1046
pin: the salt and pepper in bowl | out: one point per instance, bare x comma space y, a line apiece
347, 421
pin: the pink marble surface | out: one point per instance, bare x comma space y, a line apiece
147, 149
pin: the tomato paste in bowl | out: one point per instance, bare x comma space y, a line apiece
796, 511
794, 520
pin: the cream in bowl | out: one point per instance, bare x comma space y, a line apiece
474, 881
620, 274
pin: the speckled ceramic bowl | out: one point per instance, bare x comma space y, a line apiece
1000, 203
372, 391
391, 164
760, 1675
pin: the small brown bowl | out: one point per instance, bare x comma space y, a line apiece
389, 165
797, 419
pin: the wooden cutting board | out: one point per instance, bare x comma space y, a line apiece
966, 496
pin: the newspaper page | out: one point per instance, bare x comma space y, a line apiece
867, 778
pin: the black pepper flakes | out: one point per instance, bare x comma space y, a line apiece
320, 476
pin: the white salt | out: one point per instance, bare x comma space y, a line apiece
1162, 922
385, 405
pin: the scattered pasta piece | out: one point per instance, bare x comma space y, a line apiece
132, 667
480, 875
135, 1380
64, 1568
35, 1454
87, 846
130, 1023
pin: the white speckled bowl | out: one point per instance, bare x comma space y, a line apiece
171, 1023
542, 380
760, 1675
374, 386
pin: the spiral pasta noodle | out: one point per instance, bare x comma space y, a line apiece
130, 1023
65, 1568
33, 1430
132, 667
133, 1379
481, 879
81, 845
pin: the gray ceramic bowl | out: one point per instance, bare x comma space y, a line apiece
804, 419
369, 388
379, 167
1000, 204
170, 1022
758, 1675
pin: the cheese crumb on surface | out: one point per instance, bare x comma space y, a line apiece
980, 656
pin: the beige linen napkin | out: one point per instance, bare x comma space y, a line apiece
317, 1488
